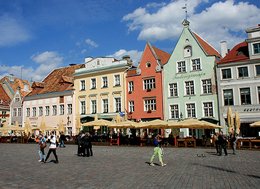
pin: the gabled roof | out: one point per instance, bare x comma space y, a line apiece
237, 54
4, 97
162, 56
51, 82
209, 50
17, 83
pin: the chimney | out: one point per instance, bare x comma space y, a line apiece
11, 77
87, 59
129, 61
224, 51
72, 64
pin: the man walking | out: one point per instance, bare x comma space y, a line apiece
62, 139
156, 150
233, 141
222, 143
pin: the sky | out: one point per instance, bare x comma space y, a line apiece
37, 37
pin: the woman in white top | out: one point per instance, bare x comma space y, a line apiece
52, 148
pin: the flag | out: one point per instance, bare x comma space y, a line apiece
121, 114
128, 115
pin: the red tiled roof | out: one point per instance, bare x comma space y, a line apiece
52, 80
17, 83
4, 97
163, 56
66, 79
234, 56
131, 72
38, 84
207, 48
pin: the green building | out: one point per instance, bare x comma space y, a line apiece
189, 81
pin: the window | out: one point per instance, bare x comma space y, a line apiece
207, 86
196, 64
34, 111
62, 109
93, 83
208, 110
187, 51
150, 105
226, 73
47, 110
148, 64
27, 112
228, 97
14, 112
104, 82
105, 105
54, 110
40, 111
191, 113
130, 86
19, 111
256, 48
69, 109
174, 111
245, 96
117, 80
1, 101
181, 66
149, 84
131, 106
242, 72
17, 99
82, 85
173, 90
61, 99
189, 85
83, 107
93, 106
257, 68
118, 104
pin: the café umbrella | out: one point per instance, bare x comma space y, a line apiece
78, 126
61, 126
256, 124
27, 126
237, 122
230, 119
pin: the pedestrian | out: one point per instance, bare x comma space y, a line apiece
62, 139
216, 142
86, 144
52, 148
233, 141
79, 144
82, 145
222, 140
156, 151
90, 144
42, 145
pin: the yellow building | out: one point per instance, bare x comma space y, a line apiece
100, 87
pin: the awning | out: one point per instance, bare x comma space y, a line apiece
99, 117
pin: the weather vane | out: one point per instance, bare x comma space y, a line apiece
185, 10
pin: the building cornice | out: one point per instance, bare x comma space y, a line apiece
252, 61
48, 95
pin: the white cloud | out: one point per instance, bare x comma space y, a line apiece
135, 55
83, 51
155, 4
223, 20
91, 43
12, 31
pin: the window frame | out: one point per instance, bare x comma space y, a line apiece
93, 109
82, 87
191, 64
253, 48
243, 72
115, 104
131, 105
47, 110
170, 111
257, 75
93, 85
228, 98
82, 107
186, 109
34, 111
115, 80
130, 86
209, 90
28, 111
177, 67
103, 107
146, 85
103, 83
150, 104
208, 108
221, 70
185, 88
250, 96
174, 89
40, 111
54, 110
69, 109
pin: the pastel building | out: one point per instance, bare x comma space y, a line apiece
53, 99
189, 81
100, 88
4, 107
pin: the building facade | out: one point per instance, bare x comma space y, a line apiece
4, 106
53, 99
145, 86
238, 75
189, 81
100, 88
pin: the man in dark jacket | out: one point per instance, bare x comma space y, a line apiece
222, 140
90, 144
62, 139
233, 141
86, 140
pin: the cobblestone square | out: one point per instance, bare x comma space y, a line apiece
127, 167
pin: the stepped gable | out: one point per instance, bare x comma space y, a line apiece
51, 82
237, 54
207, 47
163, 56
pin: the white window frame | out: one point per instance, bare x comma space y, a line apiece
14, 112
243, 67
82, 109
170, 112
93, 85
223, 104
103, 109
28, 111
115, 103
69, 109
194, 89
191, 64
131, 105
103, 83
240, 102
93, 109
115, 81
149, 105
255, 70
40, 111
150, 84
222, 74
47, 110
19, 112
186, 110
169, 90
177, 67
130, 86
54, 110
81, 86
253, 52
203, 110
202, 89
34, 111
62, 109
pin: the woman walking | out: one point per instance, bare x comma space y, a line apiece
156, 150
42, 145
52, 148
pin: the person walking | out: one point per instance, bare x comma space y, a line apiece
86, 144
42, 145
52, 148
216, 142
222, 143
156, 151
90, 144
79, 144
62, 139
233, 141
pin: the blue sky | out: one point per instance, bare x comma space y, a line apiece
39, 36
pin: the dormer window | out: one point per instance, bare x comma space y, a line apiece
187, 51
256, 48
240, 53
148, 64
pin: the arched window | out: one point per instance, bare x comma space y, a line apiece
187, 51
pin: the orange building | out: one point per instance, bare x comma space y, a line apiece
145, 86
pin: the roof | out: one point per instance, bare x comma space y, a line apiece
17, 83
51, 82
4, 97
131, 72
237, 54
206, 47
163, 56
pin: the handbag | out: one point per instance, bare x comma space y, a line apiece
43, 145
